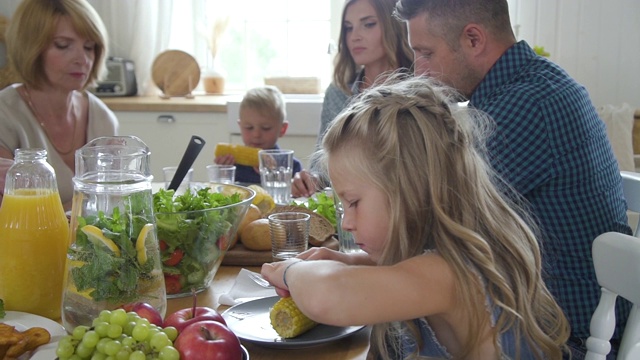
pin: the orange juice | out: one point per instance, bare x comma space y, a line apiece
34, 236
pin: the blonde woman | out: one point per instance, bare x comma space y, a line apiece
58, 49
451, 268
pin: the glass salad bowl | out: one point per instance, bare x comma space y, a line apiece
195, 230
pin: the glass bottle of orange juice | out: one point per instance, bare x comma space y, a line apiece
34, 237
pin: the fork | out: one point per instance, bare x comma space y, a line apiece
258, 279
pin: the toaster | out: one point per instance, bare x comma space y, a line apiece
120, 80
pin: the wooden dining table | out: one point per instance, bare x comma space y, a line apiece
354, 346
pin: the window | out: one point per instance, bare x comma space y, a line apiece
261, 39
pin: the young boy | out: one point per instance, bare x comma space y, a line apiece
262, 121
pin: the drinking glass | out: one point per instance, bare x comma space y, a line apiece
276, 166
170, 171
289, 234
221, 174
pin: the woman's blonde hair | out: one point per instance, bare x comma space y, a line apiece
394, 40
31, 31
426, 153
266, 99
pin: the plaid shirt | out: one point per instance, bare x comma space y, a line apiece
552, 147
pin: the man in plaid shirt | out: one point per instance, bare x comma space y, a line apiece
549, 143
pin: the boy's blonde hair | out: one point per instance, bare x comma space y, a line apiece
426, 154
267, 100
31, 31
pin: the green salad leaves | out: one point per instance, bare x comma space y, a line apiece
322, 204
193, 231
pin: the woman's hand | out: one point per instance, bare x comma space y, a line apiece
304, 184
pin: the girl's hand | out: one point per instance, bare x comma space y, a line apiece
323, 253
274, 273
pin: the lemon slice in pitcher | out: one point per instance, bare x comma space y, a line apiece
141, 249
95, 236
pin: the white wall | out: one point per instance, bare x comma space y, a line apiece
596, 41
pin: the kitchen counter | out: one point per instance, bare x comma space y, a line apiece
200, 103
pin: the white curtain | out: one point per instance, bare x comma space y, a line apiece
138, 30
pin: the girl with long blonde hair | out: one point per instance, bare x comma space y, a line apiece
451, 268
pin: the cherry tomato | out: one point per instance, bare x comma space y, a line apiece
174, 258
163, 245
223, 242
172, 283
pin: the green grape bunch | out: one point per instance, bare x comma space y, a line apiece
119, 335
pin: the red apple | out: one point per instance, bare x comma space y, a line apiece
146, 311
185, 317
208, 339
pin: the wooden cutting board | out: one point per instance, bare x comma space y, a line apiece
241, 256
175, 72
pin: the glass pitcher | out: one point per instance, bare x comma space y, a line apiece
114, 258
34, 235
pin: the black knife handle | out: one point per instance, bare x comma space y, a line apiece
193, 149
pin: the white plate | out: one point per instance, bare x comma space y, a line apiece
250, 322
23, 321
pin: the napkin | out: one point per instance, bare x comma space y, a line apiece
245, 289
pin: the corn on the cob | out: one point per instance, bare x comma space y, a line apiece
287, 320
244, 155
262, 200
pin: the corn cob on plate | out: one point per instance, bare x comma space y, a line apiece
251, 322
287, 319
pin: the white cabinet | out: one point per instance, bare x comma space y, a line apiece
168, 133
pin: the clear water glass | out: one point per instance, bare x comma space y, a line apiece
289, 234
276, 167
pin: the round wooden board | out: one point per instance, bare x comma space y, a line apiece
175, 72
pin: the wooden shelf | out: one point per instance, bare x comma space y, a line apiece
199, 103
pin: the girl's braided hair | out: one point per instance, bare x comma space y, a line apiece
411, 139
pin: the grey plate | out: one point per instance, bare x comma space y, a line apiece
250, 322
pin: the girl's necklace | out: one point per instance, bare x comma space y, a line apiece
44, 127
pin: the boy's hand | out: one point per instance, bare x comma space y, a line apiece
304, 184
225, 160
